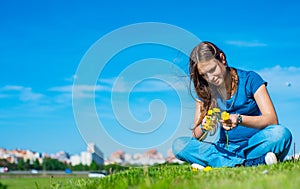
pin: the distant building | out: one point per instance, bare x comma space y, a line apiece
93, 153
97, 154
86, 158
171, 158
61, 156
75, 160
150, 157
117, 157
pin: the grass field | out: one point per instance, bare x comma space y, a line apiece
34, 182
284, 175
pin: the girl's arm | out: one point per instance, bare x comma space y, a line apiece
268, 114
264, 103
197, 131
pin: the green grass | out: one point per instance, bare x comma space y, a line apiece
35, 182
283, 175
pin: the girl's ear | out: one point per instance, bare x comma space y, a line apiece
223, 58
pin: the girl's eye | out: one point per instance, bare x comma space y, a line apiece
203, 75
213, 69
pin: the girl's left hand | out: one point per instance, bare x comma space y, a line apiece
231, 123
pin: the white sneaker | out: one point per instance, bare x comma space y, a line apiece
196, 166
270, 158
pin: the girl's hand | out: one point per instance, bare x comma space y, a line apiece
231, 123
208, 123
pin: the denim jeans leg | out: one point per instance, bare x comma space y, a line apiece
274, 138
191, 150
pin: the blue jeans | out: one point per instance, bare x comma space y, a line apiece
274, 138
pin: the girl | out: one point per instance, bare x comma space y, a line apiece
251, 135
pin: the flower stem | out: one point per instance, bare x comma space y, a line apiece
226, 133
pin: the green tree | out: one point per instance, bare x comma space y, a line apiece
4, 163
27, 165
94, 166
81, 167
53, 164
21, 164
36, 165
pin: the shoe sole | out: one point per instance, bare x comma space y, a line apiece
197, 166
271, 158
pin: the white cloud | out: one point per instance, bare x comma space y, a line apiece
83, 88
12, 88
71, 79
238, 43
62, 95
156, 83
81, 91
21, 92
28, 95
283, 81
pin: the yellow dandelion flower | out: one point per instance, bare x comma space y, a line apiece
208, 119
216, 110
225, 116
208, 168
210, 112
207, 127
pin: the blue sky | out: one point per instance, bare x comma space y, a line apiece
43, 43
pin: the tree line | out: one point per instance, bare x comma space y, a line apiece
50, 164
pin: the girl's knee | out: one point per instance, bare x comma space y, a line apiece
279, 134
287, 133
282, 132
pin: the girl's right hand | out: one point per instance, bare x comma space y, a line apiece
230, 123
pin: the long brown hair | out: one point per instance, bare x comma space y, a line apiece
205, 51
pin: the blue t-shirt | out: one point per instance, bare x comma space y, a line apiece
243, 102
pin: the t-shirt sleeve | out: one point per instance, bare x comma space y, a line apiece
255, 81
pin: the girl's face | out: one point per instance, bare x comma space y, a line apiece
213, 71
